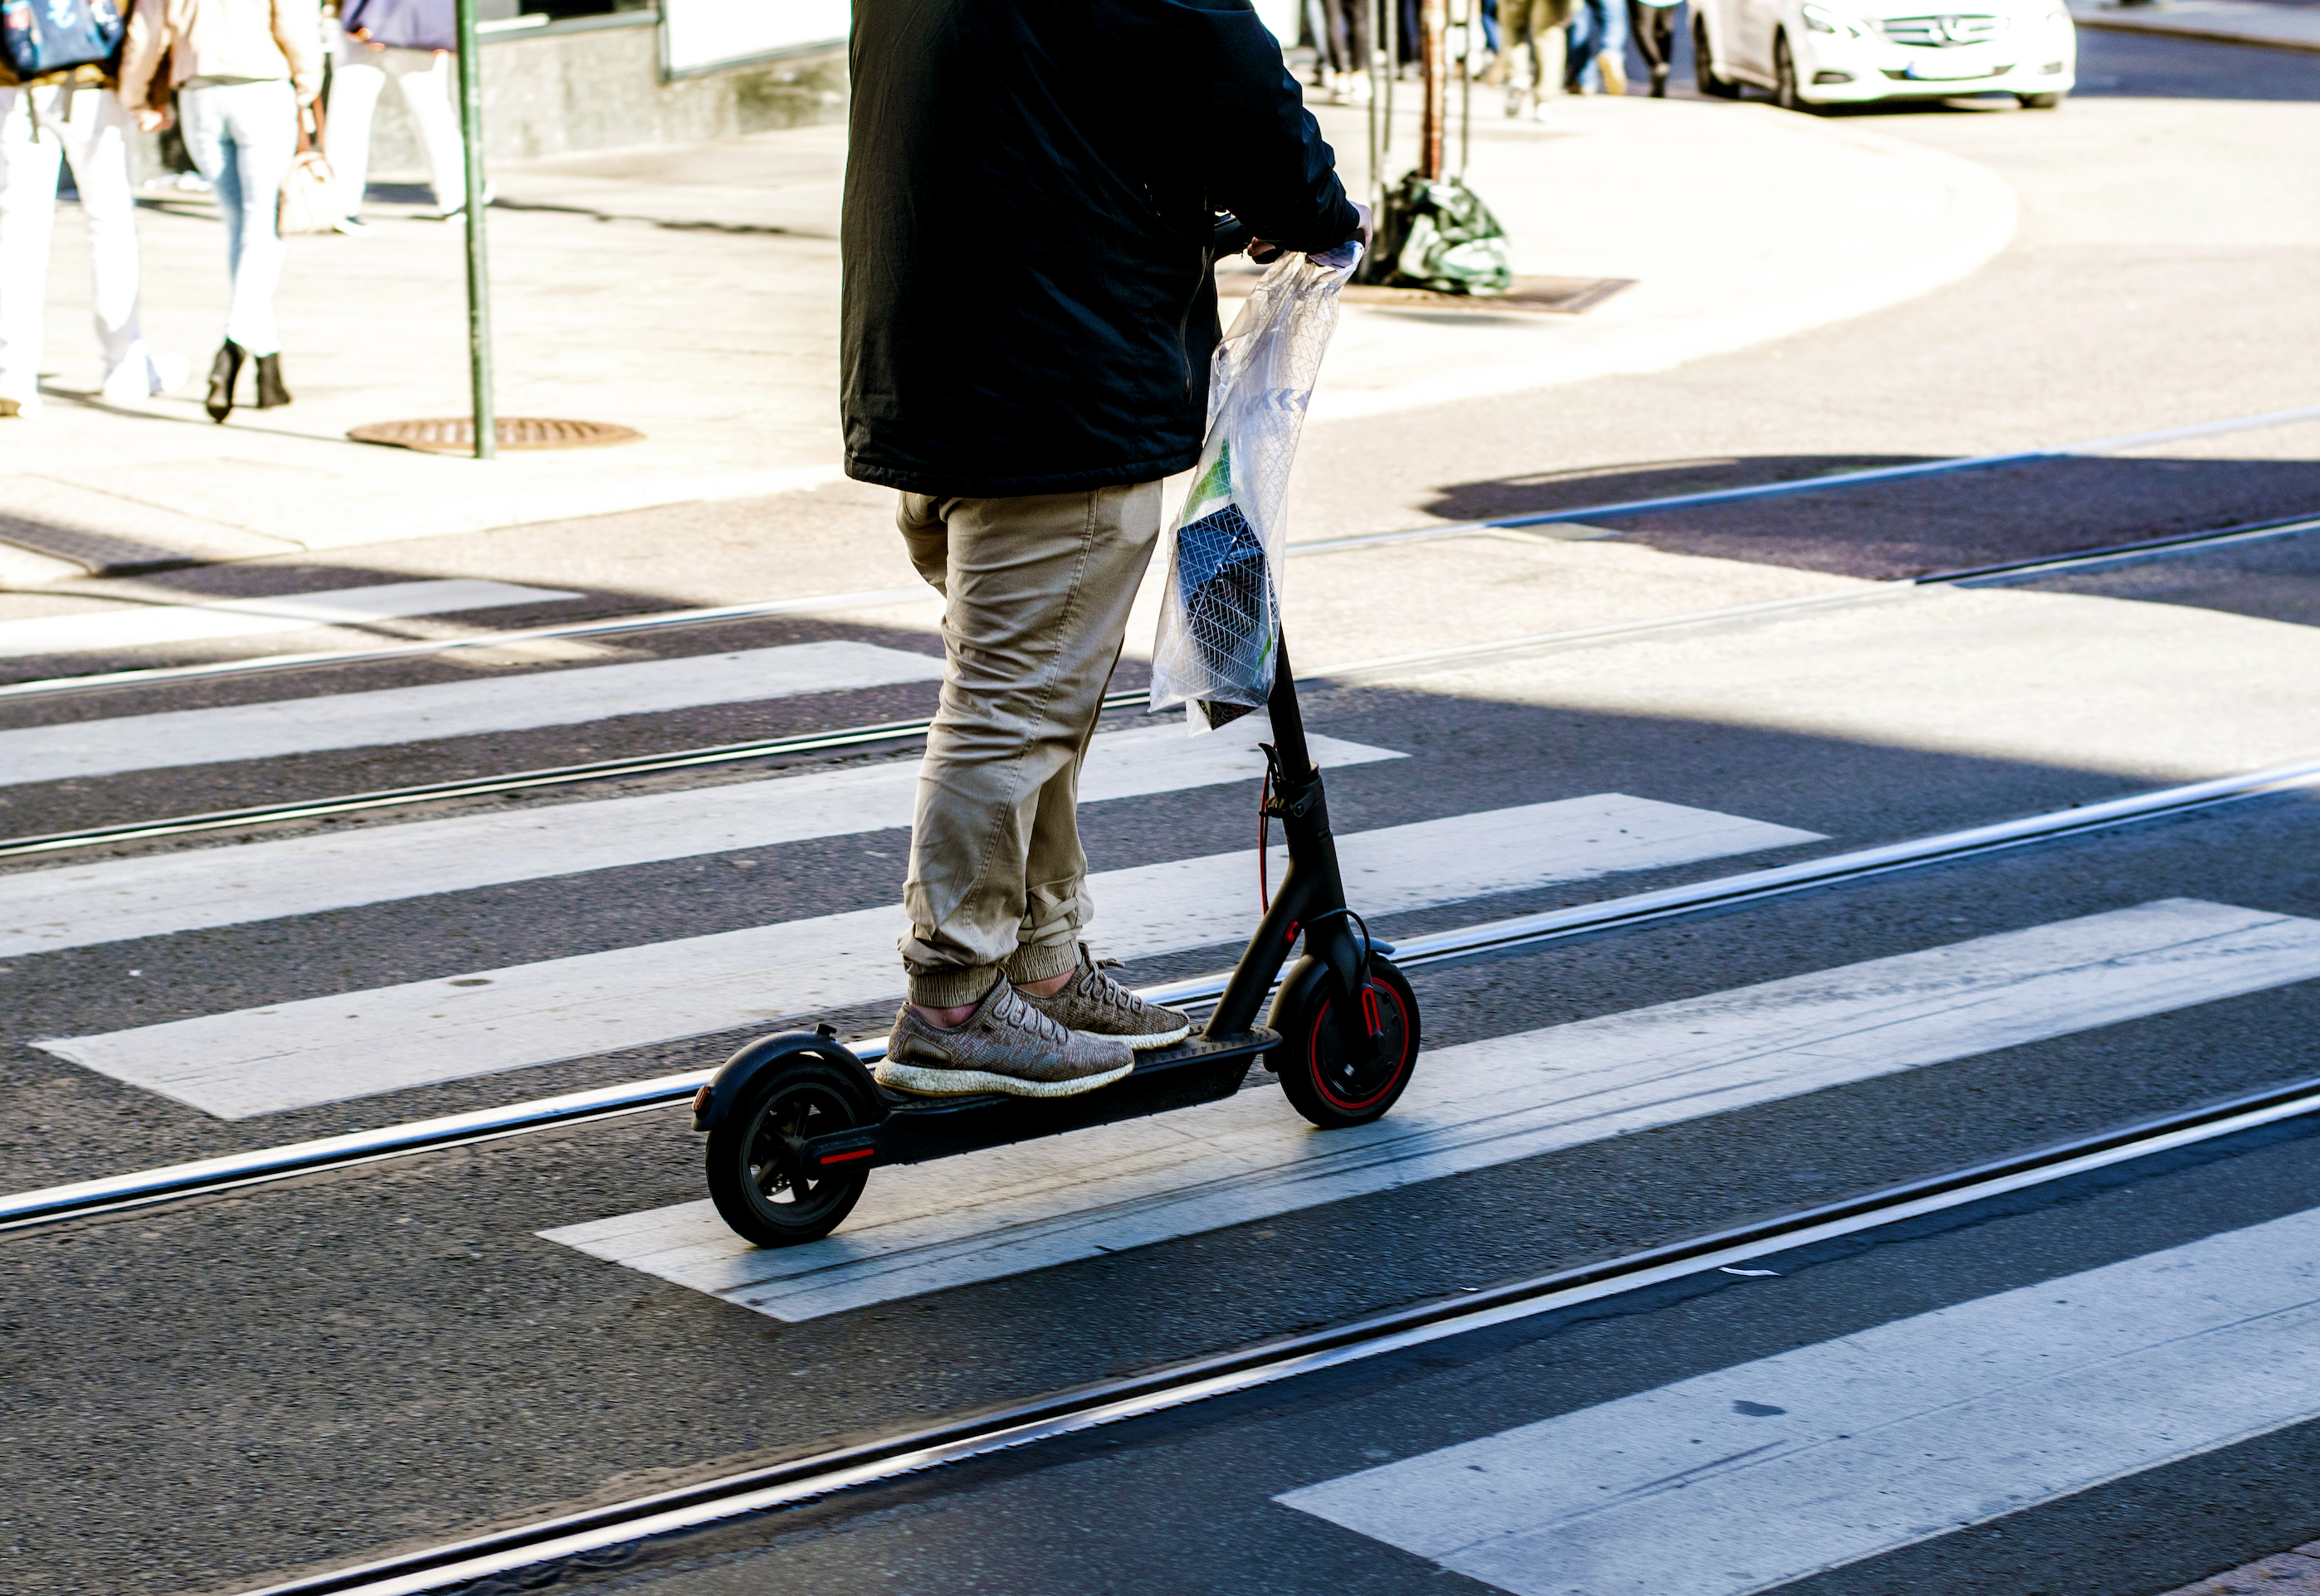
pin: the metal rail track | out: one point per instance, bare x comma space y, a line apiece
264, 664
179, 1182
1043, 1419
905, 730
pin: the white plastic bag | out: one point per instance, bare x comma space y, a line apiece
1220, 607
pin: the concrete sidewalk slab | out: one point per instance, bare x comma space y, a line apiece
1739, 223
2274, 24
692, 293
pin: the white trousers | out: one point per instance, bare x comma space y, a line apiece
242, 137
423, 78
89, 128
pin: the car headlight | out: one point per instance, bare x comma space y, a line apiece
1821, 20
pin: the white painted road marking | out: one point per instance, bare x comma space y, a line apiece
448, 709
1746, 1479
144, 625
78, 906
294, 1055
1000, 1212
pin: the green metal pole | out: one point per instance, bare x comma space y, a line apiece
479, 282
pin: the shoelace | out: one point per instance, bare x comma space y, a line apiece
1110, 992
1029, 1016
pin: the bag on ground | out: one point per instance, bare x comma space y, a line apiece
43, 36
1438, 234
1221, 605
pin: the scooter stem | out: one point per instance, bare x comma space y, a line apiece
1292, 760
1312, 890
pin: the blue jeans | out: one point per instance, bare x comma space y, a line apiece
1597, 26
242, 136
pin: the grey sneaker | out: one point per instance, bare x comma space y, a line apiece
1006, 1046
1094, 1005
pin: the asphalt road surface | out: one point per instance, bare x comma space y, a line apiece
2101, 1385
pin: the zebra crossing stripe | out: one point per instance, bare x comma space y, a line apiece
1768, 1471
1000, 1213
78, 906
448, 709
146, 626
295, 1055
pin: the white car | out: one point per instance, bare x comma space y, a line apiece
1841, 52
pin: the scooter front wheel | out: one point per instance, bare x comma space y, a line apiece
756, 1166
1324, 1081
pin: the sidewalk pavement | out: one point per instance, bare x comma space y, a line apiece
692, 293
2277, 24
1737, 224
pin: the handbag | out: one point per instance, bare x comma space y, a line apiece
308, 201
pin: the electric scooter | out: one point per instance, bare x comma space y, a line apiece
796, 1123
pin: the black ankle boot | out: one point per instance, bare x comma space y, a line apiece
271, 393
224, 370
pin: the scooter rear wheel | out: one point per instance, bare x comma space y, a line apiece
756, 1173
1325, 1082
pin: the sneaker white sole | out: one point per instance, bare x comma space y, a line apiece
1155, 1038
922, 1082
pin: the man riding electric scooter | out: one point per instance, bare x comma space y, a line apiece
1033, 192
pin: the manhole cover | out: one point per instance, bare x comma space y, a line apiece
1553, 296
457, 435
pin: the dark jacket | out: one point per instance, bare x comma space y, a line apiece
402, 25
1030, 197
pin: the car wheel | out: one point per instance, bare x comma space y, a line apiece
1784, 77
1703, 65
2039, 101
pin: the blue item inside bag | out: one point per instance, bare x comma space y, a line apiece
1220, 566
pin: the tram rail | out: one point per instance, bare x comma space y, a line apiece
48, 687
848, 737
144, 1189
533, 1547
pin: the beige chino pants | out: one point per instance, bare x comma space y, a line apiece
1036, 591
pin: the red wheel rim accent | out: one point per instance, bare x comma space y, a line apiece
1313, 1055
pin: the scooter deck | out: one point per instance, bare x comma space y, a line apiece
914, 1130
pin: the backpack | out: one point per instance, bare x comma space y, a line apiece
402, 24
38, 37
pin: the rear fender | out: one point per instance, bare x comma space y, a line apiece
732, 1082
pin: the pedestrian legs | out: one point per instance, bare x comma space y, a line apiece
357, 77
85, 127
1653, 27
1036, 591
1599, 48
242, 137
96, 144
425, 77
1348, 48
29, 155
1534, 42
